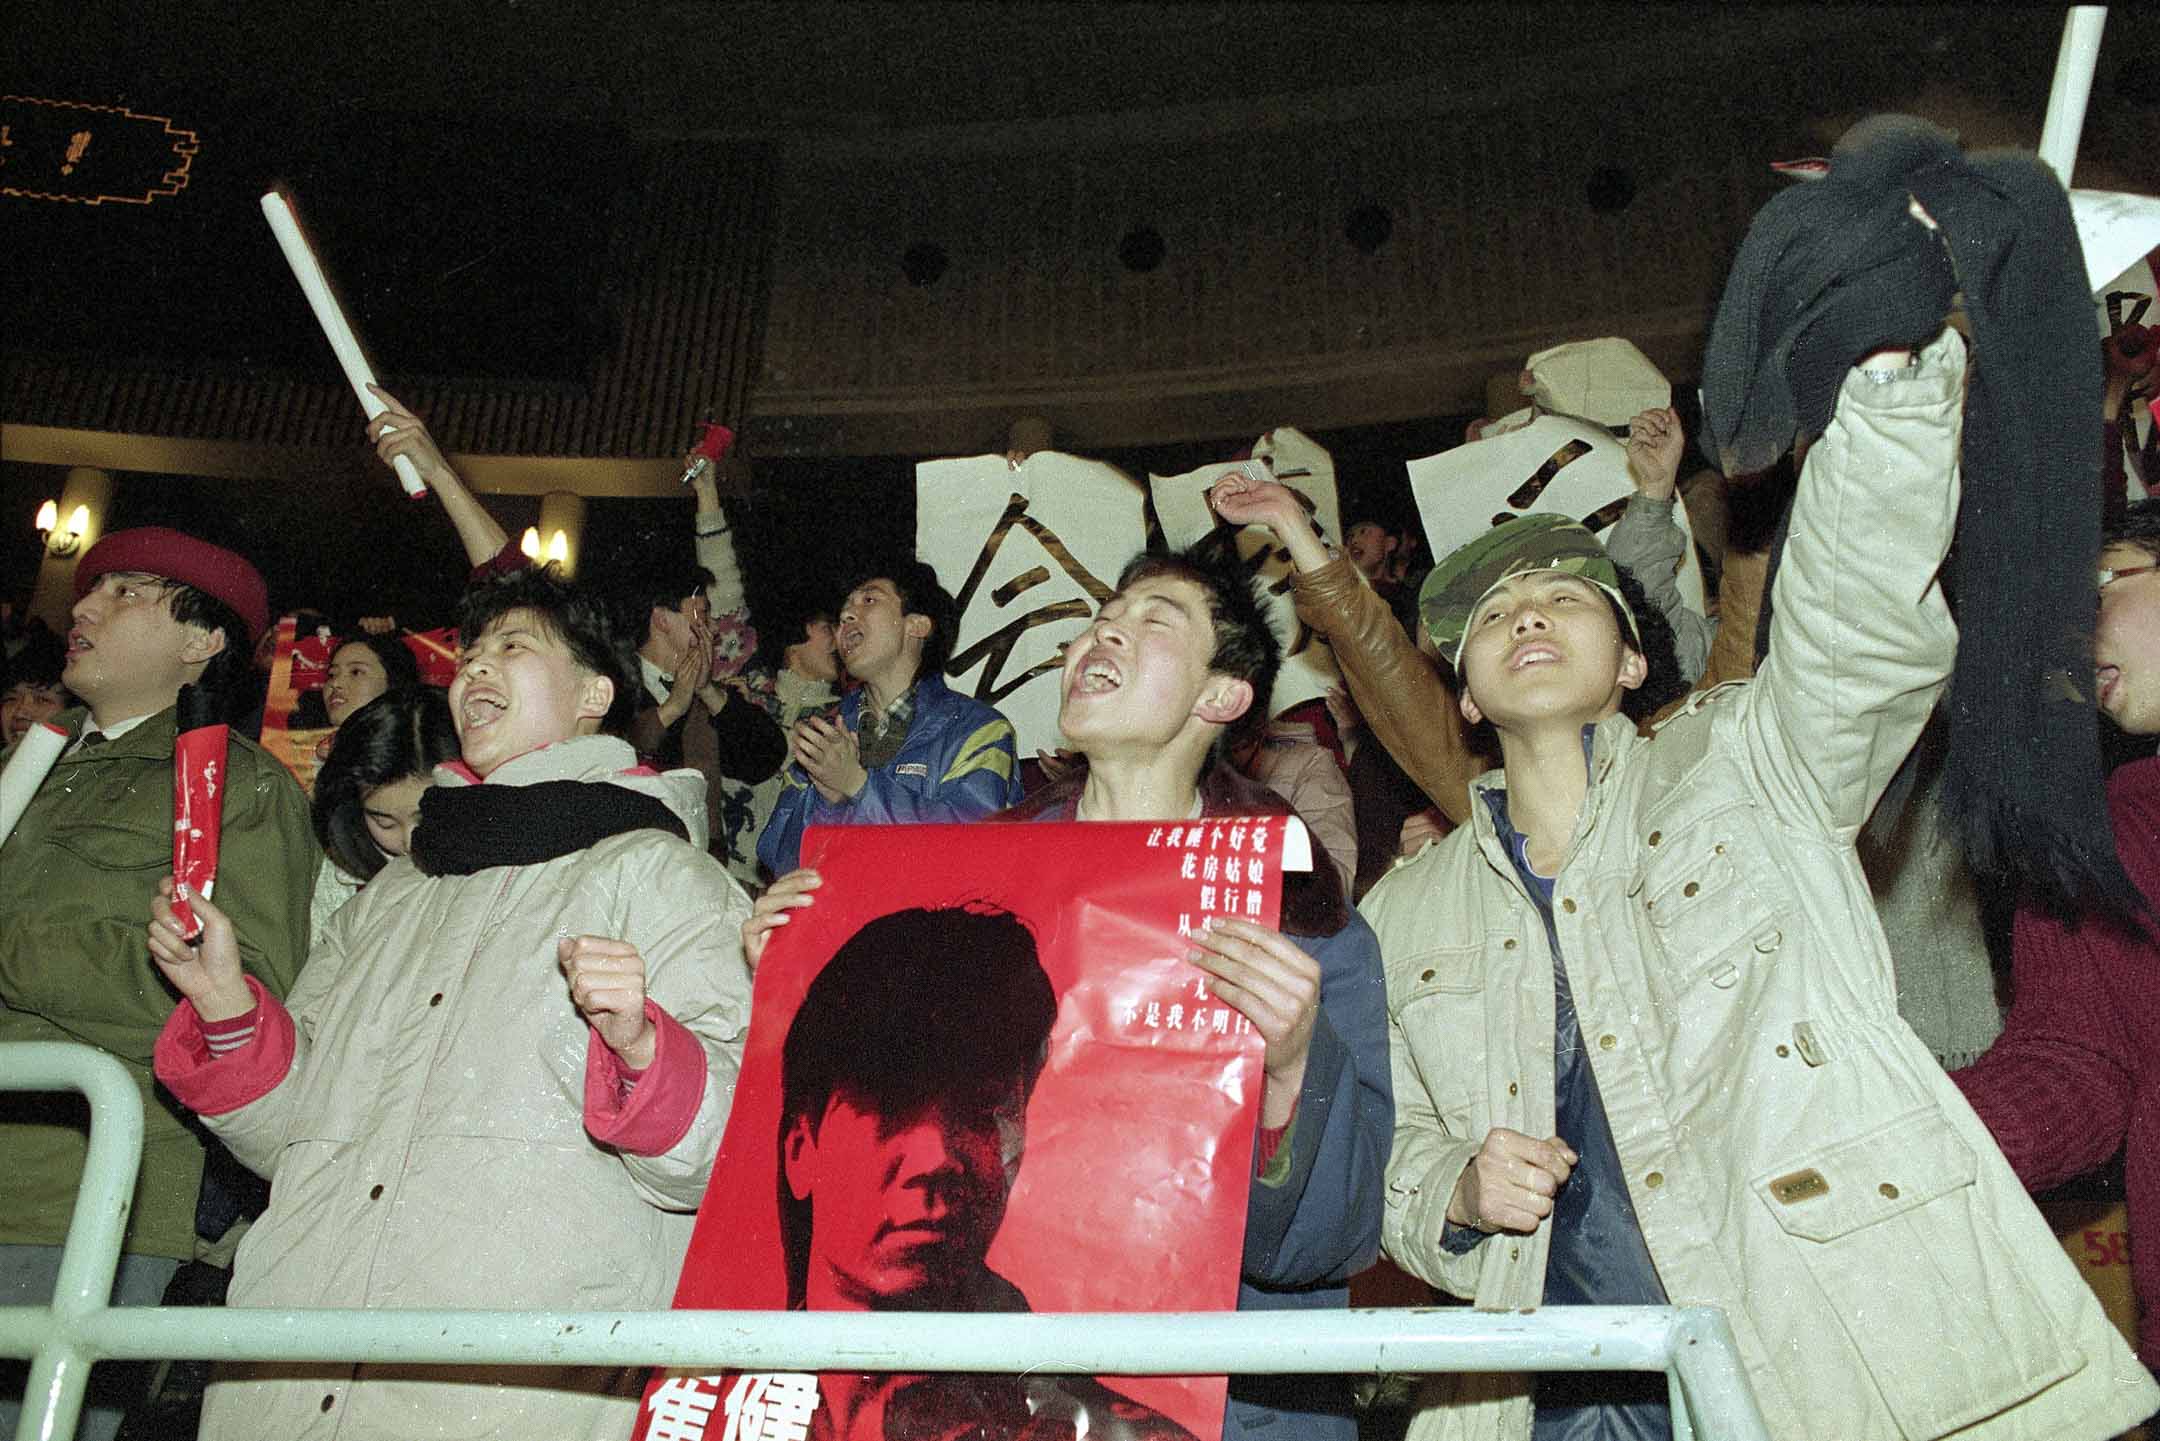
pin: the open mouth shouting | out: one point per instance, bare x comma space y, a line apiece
480, 708
1097, 674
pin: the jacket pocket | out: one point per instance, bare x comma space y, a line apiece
103, 846
1930, 1295
1439, 1004
1709, 918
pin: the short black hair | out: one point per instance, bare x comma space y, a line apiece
1246, 646
656, 586
396, 657
915, 1005
774, 641
40, 662
920, 593
401, 733
229, 676
568, 612
2138, 525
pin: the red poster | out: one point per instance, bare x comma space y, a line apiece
295, 672
980, 1075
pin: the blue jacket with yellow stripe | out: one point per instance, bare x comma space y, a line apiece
959, 763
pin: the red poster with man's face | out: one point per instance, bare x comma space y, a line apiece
982, 1076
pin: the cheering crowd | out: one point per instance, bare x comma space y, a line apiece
1626, 972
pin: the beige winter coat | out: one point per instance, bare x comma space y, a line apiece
1793, 1152
428, 1146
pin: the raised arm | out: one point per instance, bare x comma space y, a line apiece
397, 431
1402, 697
1649, 544
734, 637
1861, 638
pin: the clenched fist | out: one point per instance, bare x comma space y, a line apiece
607, 984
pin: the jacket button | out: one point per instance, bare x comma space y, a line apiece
1689, 889
1567, 903
1425, 975
436, 999
1889, 1191
1514, 1253
1511, 1088
374, 1193
1607, 1041
1654, 1180
328, 1402
1508, 944
1656, 836
1784, 1050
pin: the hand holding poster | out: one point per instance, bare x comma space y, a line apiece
1299, 462
1029, 552
1000, 1092
1552, 463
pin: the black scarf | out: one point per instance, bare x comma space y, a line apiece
1834, 269
464, 829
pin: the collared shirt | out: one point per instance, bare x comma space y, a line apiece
883, 732
658, 683
112, 732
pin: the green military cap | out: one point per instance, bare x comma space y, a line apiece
1545, 540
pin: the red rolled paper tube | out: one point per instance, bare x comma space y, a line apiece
711, 449
198, 801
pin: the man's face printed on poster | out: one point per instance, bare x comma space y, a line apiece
904, 1207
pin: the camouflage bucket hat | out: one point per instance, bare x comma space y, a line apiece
1543, 541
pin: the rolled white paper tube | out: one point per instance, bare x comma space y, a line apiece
26, 771
2075, 62
331, 317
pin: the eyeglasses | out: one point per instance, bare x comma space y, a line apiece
2108, 576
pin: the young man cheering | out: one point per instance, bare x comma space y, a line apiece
2083, 1035
1645, 1031
1179, 656
906, 749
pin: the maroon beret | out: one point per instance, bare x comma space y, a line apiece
211, 569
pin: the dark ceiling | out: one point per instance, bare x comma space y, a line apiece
822, 67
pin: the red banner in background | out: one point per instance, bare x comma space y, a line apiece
296, 671
893, 1144
295, 729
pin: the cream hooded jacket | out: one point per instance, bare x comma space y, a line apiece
1794, 1154
431, 1140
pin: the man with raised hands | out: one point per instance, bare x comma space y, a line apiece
1645, 1027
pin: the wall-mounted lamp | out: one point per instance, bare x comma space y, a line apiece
559, 548
530, 545
58, 541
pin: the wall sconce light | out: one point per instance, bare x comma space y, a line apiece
530, 545
62, 542
559, 549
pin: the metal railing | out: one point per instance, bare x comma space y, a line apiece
1693, 1346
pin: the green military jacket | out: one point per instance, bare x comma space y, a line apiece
76, 880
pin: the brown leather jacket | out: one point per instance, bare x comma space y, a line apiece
1411, 709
